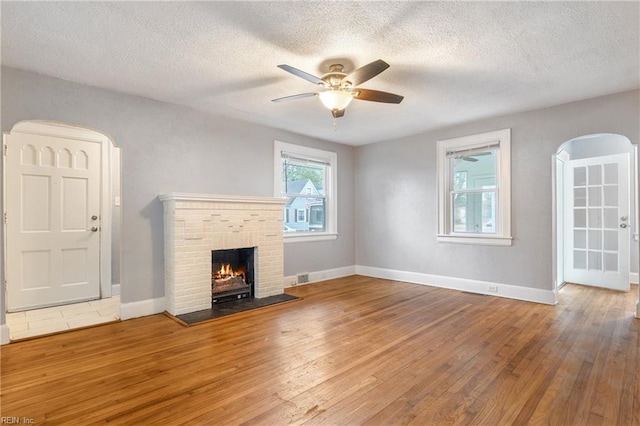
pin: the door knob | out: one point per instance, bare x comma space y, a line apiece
94, 229
623, 225
94, 217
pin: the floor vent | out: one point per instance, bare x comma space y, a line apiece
473, 294
303, 278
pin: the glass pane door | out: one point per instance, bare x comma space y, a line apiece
597, 234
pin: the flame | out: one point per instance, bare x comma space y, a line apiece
227, 271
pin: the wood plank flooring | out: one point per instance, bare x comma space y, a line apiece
353, 351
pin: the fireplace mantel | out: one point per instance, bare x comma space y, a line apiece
196, 224
242, 199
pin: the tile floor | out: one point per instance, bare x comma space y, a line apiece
59, 318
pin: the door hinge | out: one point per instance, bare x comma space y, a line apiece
6, 149
5, 217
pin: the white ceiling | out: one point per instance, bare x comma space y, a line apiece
453, 61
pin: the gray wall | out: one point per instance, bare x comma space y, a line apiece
597, 146
386, 191
396, 211
169, 148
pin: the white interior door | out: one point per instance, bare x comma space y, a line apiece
53, 223
597, 225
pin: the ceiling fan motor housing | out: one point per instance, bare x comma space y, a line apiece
334, 77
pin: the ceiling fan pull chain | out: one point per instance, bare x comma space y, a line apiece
335, 125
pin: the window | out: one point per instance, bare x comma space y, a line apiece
474, 189
306, 177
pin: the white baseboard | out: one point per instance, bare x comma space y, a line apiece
317, 276
528, 294
634, 278
4, 334
142, 308
115, 289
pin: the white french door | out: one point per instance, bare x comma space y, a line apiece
53, 223
597, 223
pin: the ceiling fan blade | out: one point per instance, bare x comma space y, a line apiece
337, 113
366, 72
292, 97
302, 74
377, 96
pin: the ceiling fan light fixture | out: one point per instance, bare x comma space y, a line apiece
335, 99
337, 88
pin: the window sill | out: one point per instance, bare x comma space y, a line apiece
296, 238
480, 240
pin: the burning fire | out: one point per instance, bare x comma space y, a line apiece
226, 271
226, 278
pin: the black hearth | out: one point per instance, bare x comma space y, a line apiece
232, 274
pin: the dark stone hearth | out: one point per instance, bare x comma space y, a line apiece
233, 307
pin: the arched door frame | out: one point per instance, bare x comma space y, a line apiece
636, 155
66, 130
558, 159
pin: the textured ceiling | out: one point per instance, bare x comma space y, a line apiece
453, 61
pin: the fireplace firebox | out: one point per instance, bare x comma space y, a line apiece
232, 274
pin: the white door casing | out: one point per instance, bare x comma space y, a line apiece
53, 243
597, 221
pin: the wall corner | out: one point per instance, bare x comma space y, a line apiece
4, 334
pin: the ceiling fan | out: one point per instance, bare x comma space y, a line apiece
472, 158
338, 88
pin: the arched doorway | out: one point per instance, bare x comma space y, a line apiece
595, 215
62, 192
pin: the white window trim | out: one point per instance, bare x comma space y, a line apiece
503, 236
331, 192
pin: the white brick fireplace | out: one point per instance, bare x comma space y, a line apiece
196, 224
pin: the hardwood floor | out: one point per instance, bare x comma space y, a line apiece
355, 350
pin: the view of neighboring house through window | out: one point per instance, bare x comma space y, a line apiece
305, 176
474, 189
302, 217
